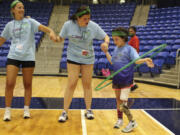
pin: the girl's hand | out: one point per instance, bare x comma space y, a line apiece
149, 62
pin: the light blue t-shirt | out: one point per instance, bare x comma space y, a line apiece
21, 33
121, 57
81, 38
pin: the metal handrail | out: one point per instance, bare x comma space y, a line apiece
178, 67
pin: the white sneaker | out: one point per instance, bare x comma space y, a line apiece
63, 117
26, 114
7, 115
130, 127
119, 123
89, 115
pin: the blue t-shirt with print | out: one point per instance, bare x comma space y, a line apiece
121, 57
81, 38
21, 33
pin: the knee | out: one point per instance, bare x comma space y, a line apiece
124, 95
10, 85
28, 85
87, 86
118, 101
123, 107
72, 85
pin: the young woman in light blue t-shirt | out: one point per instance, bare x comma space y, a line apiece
80, 31
21, 32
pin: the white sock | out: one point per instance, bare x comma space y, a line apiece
26, 107
8, 109
64, 111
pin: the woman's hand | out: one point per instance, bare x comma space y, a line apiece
53, 36
104, 47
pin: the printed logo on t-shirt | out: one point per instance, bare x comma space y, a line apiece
84, 35
25, 25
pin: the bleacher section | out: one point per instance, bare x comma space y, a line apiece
39, 11
163, 26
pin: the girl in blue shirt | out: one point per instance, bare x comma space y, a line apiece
21, 32
122, 55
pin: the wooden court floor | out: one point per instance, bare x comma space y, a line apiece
45, 122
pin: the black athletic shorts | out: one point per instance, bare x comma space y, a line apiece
76, 63
18, 63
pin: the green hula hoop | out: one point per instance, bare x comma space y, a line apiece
161, 47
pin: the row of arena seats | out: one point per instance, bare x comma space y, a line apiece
161, 59
109, 15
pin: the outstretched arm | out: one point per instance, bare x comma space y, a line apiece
59, 39
48, 30
105, 44
105, 50
108, 57
148, 61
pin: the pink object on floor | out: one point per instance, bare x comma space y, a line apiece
106, 72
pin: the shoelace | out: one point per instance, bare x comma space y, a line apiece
130, 124
64, 114
118, 122
89, 111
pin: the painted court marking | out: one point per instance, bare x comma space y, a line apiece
156, 121
83, 122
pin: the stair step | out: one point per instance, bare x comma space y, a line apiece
169, 72
167, 80
49, 53
169, 76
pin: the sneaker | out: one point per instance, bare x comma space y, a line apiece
26, 114
119, 123
130, 127
7, 116
89, 115
63, 117
134, 87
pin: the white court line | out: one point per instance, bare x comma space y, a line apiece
83, 122
156, 121
163, 109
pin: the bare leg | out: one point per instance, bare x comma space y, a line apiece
86, 71
73, 75
27, 81
10, 83
118, 102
